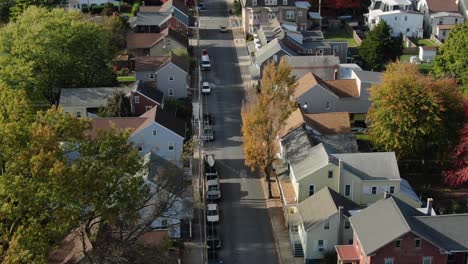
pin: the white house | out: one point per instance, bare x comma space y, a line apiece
440, 17
80, 4
155, 131
398, 15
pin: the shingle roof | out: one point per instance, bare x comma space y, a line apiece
370, 166
325, 123
120, 123
150, 63
144, 40
177, 36
322, 205
90, 97
154, 63
166, 119
368, 76
270, 49
322, 66
304, 153
150, 90
150, 19
442, 6
391, 218
307, 82
344, 88
261, 3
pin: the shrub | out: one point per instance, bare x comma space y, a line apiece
135, 8
249, 37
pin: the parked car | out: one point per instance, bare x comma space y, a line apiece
212, 213
208, 120
208, 134
206, 89
213, 190
223, 29
210, 168
213, 240
201, 6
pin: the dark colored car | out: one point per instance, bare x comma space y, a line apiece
213, 240
201, 6
208, 120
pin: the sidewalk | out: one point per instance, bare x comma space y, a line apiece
278, 224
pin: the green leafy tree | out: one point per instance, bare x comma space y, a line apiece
379, 48
452, 60
414, 115
264, 114
118, 105
63, 49
20, 5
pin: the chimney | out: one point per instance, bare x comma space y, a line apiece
386, 195
429, 206
340, 224
335, 75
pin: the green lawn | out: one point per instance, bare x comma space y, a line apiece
340, 34
363, 137
423, 42
126, 78
423, 67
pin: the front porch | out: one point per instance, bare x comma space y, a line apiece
347, 254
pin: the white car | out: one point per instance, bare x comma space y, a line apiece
212, 213
206, 89
223, 29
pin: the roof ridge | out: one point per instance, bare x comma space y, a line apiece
400, 213
440, 216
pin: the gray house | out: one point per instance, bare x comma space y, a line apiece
315, 95
150, 22
325, 67
272, 51
169, 72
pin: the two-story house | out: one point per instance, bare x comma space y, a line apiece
398, 15
315, 95
156, 131
170, 207
257, 12
325, 67
86, 102
391, 231
150, 22
319, 223
156, 44
169, 72
179, 20
273, 51
440, 17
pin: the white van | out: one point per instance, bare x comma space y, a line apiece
205, 62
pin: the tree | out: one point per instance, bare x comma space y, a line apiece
264, 114
118, 105
379, 48
63, 49
457, 173
412, 114
20, 5
453, 56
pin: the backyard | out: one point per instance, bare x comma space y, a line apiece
423, 42
340, 34
423, 67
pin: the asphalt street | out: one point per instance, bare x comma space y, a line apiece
245, 226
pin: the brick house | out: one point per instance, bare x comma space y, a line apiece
391, 231
145, 96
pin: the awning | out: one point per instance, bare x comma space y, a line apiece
314, 15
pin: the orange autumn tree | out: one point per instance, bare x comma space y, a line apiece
263, 114
414, 115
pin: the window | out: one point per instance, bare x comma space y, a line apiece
78, 114
171, 145
326, 225
398, 243
275, 58
164, 224
289, 14
347, 225
177, 23
294, 229
168, 42
456, 20
427, 260
140, 147
373, 190
320, 245
311, 190
285, 2
335, 50
406, 18
321, 51
330, 174
347, 191
327, 105
417, 243
154, 133
299, 13
254, 2
392, 189
137, 99
171, 77
350, 242
407, 30
148, 107
388, 261
396, 18
441, 21
151, 75
170, 92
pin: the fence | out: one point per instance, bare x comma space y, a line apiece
358, 35
436, 40
411, 51
408, 42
